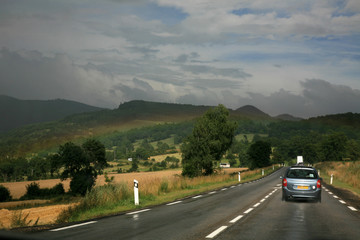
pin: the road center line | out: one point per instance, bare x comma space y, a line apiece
236, 219
249, 210
216, 232
144, 210
73, 226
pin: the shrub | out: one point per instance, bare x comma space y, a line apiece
58, 189
33, 190
4, 194
81, 183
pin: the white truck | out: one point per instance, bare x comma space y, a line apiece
300, 160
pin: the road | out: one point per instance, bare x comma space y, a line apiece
245, 211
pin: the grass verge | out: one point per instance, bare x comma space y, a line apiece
346, 175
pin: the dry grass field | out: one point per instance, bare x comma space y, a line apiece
48, 214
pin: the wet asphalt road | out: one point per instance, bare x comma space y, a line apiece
245, 211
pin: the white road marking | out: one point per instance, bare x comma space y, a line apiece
169, 204
198, 196
73, 226
236, 219
335, 196
262, 200
212, 192
343, 202
216, 232
249, 210
257, 204
232, 186
144, 210
330, 193
223, 189
352, 208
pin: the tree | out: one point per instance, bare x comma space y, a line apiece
259, 154
211, 137
82, 164
4, 194
333, 147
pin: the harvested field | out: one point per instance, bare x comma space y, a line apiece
18, 189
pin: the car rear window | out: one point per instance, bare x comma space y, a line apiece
301, 173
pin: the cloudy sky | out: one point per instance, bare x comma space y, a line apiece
296, 57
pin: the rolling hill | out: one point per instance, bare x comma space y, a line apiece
17, 113
133, 114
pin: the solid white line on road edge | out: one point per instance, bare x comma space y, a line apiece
236, 219
216, 232
169, 204
144, 210
73, 226
257, 204
343, 202
198, 196
352, 208
212, 192
249, 210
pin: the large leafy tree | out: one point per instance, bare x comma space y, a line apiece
82, 164
259, 154
212, 135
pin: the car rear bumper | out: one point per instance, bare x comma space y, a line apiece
302, 194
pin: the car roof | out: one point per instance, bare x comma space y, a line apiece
301, 167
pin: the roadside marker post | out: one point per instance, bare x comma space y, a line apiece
331, 179
262, 172
239, 177
136, 192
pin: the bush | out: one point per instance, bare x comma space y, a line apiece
81, 183
58, 189
4, 194
33, 190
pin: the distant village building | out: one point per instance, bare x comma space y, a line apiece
225, 165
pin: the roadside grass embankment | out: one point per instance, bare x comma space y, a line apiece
346, 175
114, 198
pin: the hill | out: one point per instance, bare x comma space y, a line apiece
288, 117
16, 113
252, 112
133, 114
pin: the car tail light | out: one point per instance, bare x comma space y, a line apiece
318, 184
284, 182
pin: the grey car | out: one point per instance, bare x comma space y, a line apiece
300, 182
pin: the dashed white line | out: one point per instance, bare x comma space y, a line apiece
262, 200
352, 208
257, 204
216, 232
212, 192
343, 202
73, 226
236, 219
173, 203
330, 193
249, 210
198, 196
223, 189
144, 210
335, 196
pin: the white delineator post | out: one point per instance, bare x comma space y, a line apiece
319, 173
239, 177
331, 179
136, 192
262, 172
